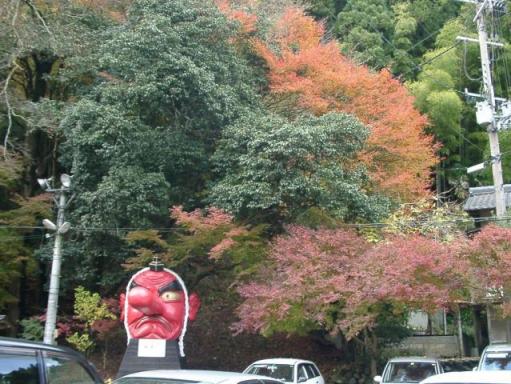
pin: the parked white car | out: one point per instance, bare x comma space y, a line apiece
409, 369
192, 376
287, 370
495, 357
470, 377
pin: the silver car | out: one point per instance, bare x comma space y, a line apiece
470, 377
288, 370
496, 357
192, 376
409, 370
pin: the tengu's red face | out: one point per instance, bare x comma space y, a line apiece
156, 306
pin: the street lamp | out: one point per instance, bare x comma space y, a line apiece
59, 229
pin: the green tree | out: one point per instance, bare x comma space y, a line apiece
364, 28
91, 311
405, 28
436, 95
392, 34
273, 169
164, 84
170, 82
326, 10
18, 216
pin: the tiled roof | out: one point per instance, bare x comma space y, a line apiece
481, 198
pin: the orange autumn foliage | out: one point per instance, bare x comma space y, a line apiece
247, 21
315, 76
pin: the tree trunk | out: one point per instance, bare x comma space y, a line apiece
13, 310
371, 345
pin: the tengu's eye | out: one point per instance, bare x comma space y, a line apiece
170, 296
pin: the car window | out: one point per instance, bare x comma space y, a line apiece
410, 372
497, 361
316, 370
18, 368
250, 382
282, 372
61, 369
302, 373
310, 371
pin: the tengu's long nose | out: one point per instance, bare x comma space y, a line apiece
145, 301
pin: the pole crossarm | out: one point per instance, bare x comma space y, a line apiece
479, 96
469, 39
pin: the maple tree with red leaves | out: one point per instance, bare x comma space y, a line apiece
312, 75
489, 275
209, 220
335, 280
313, 271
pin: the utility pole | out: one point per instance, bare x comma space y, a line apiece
486, 115
496, 164
60, 228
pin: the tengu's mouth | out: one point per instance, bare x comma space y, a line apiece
152, 326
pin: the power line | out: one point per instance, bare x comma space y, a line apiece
497, 30
417, 223
440, 54
14, 238
465, 70
419, 67
162, 229
471, 143
460, 219
423, 40
20, 227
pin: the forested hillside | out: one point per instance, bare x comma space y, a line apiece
205, 132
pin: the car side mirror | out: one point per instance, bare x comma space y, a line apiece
302, 379
377, 379
474, 369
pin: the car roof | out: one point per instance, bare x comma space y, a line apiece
470, 377
409, 359
196, 375
20, 343
281, 360
498, 347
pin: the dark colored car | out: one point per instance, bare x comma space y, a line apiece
28, 362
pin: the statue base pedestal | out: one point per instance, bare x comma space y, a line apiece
150, 354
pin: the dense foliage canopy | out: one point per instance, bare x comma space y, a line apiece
269, 127
307, 73
275, 168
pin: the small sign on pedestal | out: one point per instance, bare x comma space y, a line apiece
151, 347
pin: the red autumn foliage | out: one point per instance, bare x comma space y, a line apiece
208, 220
489, 253
246, 20
309, 267
199, 219
314, 273
316, 77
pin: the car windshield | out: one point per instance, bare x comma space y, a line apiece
497, 361
409, 372
151, 380
282, 372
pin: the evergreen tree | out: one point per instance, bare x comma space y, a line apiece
166, 82
274, 170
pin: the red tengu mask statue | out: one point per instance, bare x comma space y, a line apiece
157, 305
